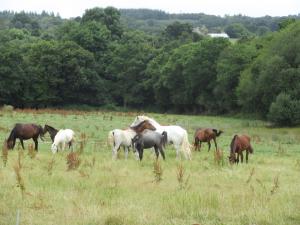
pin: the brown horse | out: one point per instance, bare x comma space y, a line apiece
25, 132
206, 135
238, 144
51, 130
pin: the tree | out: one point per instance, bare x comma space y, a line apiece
237, 30
128, 61
110, 17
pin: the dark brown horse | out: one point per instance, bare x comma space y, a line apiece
25, 132
51, 130
206, 135
238, 144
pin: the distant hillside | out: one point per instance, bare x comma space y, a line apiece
154, 21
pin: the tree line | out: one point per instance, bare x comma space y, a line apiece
98, 61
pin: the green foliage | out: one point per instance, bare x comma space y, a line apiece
237, 30
98, 61
285, 111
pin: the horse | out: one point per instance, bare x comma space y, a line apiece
51, 130
149, 139
176, 135
206, 135
25, 132
238, 144
63, 137
118, 138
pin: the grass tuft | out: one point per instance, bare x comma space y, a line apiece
157, 170
4, 153
73, 160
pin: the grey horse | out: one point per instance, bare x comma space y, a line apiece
149, 139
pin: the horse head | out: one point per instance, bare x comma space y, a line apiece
232, 158
54, 148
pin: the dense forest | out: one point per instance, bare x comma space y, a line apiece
151, 60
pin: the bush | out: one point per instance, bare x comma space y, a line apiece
285, 111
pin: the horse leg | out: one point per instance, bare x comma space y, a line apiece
215, 144
162, 152
237, 160
209, 145
177, 147
21, 140
156, 151
35, 144
63, 146
141, 152
200, 146
247, 153
126, 152
196, 144
242, 157
115, 151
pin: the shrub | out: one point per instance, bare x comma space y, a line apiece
285, 111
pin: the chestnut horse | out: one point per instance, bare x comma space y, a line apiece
25, 132
238, 144
206, 135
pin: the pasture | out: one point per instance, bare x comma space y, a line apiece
40, 189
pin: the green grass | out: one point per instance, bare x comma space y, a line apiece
102, 191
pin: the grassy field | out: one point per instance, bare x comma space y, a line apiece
41, 190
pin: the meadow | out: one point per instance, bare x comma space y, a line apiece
41, 188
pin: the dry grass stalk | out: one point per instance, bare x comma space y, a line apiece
20, 156
20, 182
218, 156
180, 174
275, 184
50, 166
157, 170
31, 151
73, 160
4, 153
183, 183
250, 175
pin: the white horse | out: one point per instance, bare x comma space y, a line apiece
118, 138
176, 135
61, 139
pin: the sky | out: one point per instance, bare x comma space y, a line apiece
73, 8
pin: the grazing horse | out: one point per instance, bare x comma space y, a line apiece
176, 135
149, 139
51, 130
25, 132
206, 135
238, 144
118, 138
61, 139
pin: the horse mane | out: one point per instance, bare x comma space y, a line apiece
12, 133
232, 144
218, 133
51, 128
151, 120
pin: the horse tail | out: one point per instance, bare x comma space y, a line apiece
186, 146
218, 133
110, 139
164, 139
